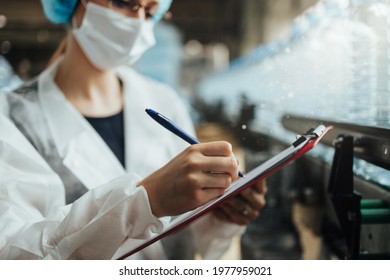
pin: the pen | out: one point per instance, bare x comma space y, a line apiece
165, 122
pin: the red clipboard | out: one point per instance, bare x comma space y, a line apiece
302, 145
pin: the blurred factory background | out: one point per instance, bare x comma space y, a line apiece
262, 71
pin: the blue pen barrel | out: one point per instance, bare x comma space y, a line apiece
168, 124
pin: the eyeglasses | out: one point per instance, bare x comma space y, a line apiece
150, 7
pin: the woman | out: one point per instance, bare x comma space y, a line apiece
85, 116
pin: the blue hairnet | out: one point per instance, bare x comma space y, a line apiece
59, 11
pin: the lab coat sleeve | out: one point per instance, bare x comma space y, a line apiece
103, 219
211, 236
36, 224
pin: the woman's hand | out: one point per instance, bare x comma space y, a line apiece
199, 174
244, 207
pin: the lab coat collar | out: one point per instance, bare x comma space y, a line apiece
145, 139
78, 144
63, 119
140, 130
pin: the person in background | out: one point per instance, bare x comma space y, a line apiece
122, 177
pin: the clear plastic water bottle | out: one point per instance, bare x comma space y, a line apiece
362, 96
376, 15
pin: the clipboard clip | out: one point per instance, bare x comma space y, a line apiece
311, 134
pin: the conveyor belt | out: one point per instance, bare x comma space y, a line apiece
371, 143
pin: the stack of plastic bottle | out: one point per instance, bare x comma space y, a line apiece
333, 65
306, 73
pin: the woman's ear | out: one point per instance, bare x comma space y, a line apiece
78, 14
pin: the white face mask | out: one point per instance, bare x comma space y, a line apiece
110, 39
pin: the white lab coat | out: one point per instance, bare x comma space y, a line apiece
113, 215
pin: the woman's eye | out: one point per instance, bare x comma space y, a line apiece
120, 4
135, 7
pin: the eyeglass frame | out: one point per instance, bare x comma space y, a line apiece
135, 5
